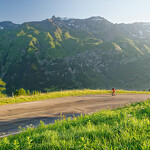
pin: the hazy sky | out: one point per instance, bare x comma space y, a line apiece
116, 11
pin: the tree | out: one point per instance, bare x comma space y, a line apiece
20, 92
2, 85
2, 88
28, 92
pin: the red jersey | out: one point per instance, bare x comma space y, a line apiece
113, 90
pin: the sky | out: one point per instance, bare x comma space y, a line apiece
116, 11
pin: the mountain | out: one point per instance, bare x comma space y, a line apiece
62, 53
8, 25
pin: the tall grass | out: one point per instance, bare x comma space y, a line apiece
50, 95
125, 128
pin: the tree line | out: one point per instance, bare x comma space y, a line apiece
18, 92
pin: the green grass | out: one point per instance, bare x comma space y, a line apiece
126, 128
44, 96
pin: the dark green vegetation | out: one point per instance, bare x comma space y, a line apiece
122, 129
2, 88
59, 54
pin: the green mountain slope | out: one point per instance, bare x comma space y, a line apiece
75, 53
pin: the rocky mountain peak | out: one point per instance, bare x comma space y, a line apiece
96, 18
8, 25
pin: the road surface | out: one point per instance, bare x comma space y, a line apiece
23, 114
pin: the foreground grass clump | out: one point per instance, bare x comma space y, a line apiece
123, 128
50, 95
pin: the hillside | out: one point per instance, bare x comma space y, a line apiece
61, 53
123, 128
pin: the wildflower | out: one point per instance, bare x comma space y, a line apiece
129, 115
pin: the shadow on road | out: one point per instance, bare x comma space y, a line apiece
11, 127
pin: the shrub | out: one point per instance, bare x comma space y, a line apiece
2, 95
35, 92
28, 92
2, 85
20, 92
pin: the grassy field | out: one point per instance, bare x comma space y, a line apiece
44, 96
126, 128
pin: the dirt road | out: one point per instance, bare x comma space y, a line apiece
14, 115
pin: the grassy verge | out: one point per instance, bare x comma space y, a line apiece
44, 96
123, 128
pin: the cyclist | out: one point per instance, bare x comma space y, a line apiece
113, 91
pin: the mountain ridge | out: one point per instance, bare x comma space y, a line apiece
67, 18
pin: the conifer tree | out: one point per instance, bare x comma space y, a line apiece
2, 85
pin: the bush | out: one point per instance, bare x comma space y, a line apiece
20, 92
2, 95
28, 92
2, 85
35, 92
